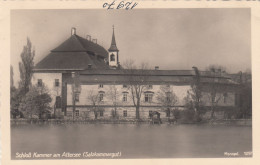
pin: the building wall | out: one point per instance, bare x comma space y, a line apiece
222, 99
84, 105
93, 89
48, 80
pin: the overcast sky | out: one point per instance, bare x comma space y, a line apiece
168, 38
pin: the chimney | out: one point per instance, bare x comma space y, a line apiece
72, 74
89, 66
73, 31
156, 68
88, 37
95, 41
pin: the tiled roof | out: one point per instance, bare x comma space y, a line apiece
75, 53
69, 60
153, 76
136, 72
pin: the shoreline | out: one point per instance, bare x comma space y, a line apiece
238, 122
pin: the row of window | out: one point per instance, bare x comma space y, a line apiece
101, 113
125, 86
56, 83
147, 97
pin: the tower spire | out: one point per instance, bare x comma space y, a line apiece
113, 46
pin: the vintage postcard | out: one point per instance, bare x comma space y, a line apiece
129, 82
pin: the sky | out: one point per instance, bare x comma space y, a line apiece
168, 38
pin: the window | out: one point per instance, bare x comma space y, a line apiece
168, 112
124, 86
168, 96
124, 97
148, 97
101, 113
112, 57
39, 84
125, 113
77, 113
57, 83
101, 96
101, 86
150, 86
58, 102
69, 113
225, 97
77, 97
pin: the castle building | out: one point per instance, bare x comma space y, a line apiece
85, 78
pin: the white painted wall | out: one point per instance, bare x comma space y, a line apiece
49, 80
180, 91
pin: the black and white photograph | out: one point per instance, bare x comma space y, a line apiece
163, 83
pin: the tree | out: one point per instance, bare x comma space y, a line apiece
193, 100
137, 79
11, 77
214, 91
36, 101
95, 100
167, 98
114, 95
245, 93
15, 97
75, 91
26, 67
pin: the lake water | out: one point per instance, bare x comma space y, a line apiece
132, 141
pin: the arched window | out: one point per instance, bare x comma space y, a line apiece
112, 57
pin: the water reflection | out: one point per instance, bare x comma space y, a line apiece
134, 141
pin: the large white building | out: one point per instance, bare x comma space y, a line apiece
99, 74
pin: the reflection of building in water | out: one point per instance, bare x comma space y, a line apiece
105, 86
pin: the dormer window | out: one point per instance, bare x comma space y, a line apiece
112, 57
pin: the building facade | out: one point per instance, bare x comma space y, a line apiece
85, 78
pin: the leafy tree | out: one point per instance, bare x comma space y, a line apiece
245, 92
26, 67
36, 101
15, 97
